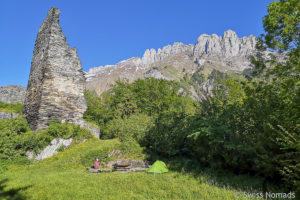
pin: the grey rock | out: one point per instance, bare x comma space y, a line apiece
130, 163
51, 149
224, 47
101, 78
30, 155
95, 130
151, 56
139, 164
7, 115
12, 94
156, 74
56, 84
227, 53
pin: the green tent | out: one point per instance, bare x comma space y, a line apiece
158, 167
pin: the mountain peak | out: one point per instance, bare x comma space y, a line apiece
230, 45
229, 33
151, 56
225, 53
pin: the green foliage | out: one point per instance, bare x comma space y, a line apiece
95, 110
18, 126
167, 137
102, 154
282, 24
155, 96
65, 130
11, 107
13, 136
218, 127
127, 110
133, 127
16, 138
248, 127
148, 111
61, 149
278, 99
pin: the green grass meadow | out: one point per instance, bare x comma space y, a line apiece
63, 177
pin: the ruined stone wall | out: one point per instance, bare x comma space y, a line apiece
56, 84
7, 115
12, 94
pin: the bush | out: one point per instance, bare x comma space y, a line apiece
16, 138
66, 131
249, 128
12, 132
11, 107
168, 136
150, 97
134, 127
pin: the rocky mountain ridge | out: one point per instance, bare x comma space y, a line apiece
227, 53
229, 45
150, 56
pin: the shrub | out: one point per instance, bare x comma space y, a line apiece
168, 135
134, 127
16, 138
65, 130
11, 107
12, 132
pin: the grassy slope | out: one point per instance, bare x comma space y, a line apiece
11, 107
64, 177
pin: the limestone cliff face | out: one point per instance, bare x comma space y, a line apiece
228, 50
230, 45
56, 84
151, 56
227, 53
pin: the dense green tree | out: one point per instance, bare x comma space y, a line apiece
255, 125
150, 97
126, 129
282, 130
282, 25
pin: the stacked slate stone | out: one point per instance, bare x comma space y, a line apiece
12, 94
56, 84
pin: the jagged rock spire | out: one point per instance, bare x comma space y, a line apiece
230, 45
56, 84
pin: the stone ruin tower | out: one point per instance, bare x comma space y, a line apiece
56, 83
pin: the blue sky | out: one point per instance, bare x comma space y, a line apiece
106, 32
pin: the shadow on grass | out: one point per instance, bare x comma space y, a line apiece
218, 177
11, 194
